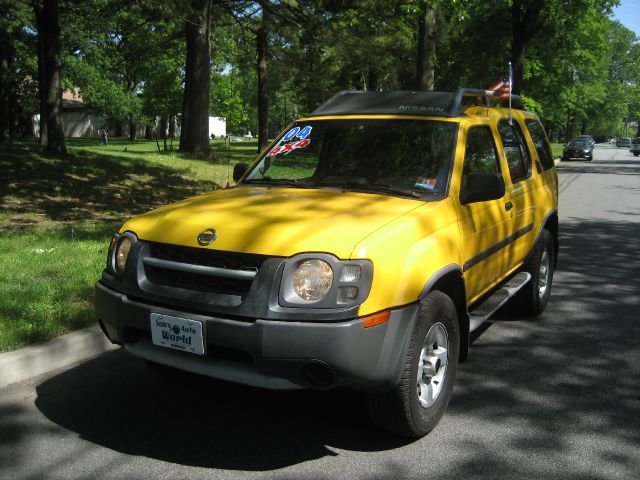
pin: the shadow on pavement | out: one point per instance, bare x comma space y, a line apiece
569, 377
116, 401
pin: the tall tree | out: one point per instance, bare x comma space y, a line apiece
6, 56
525, 24
194, 137
49, 67
427, 39
262, 45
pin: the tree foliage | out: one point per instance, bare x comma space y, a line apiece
575, 66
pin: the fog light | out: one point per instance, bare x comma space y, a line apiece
347, 294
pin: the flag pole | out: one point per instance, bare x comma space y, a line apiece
510, 86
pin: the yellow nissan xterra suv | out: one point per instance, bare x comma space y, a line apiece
361, 249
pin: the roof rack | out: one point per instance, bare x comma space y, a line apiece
444, 104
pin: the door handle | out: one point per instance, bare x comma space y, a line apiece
508, 206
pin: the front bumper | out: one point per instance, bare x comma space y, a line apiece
577, 155
269, 353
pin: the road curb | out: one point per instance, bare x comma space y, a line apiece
59, 352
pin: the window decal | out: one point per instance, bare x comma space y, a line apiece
288, 147
428, 183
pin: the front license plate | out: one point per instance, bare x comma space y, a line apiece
177, 333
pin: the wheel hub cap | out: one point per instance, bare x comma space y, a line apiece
432, 366
545, 270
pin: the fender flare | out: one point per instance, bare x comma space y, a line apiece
450, 280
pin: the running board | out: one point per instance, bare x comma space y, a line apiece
488, 307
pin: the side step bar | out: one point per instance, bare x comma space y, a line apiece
482, 312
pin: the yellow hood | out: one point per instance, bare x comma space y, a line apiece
273, 221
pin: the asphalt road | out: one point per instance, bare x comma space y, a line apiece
556, 397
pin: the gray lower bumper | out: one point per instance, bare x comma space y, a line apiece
270, 353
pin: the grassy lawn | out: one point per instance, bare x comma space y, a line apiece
57, 216
556, 149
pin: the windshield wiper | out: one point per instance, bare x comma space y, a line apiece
369, 187
272, 181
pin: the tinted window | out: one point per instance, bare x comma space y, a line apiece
407, 157
541, 143
515, 148
480, 153
578, 142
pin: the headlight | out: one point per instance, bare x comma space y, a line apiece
122, 252
119, 251
320, 280
312, 280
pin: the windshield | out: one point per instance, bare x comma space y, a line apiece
580, 143
396, 157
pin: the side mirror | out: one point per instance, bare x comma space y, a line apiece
482, 187
239, 170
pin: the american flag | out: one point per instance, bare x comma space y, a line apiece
502, 88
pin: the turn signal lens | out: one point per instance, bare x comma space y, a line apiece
351, 273
376, 319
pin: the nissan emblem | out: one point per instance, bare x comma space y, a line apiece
207, 237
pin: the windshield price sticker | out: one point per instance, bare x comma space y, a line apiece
289, 147
428, 183
177, 333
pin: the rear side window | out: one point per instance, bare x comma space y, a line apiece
542, 144
515, 149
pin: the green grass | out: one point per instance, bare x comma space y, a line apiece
46, 280
57, 216
556, 149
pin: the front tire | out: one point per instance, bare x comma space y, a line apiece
416, 405
532, 299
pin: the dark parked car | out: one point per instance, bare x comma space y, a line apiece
586, 137
635, 146
579, 148
623, 142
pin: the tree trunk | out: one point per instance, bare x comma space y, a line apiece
262, 39
518, 47
49, 35
5, 110
524, 26
133, 130
42, 96
194, 137
426, 56
164, 126
373, 79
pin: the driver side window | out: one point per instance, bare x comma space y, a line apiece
480, 154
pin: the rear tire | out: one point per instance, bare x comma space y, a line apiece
532, 299
414, 407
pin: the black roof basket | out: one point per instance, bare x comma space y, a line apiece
445, 104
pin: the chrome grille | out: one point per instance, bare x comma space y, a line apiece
201, 269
